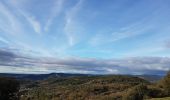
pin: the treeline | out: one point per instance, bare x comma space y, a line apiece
9, 88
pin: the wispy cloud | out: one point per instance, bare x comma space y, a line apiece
129, 31
9, 22
167, 44
4, 40
143, 25
31, 19
33, 22
70, 27
56, 9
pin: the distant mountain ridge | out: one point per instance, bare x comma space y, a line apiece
151, 78
40, 76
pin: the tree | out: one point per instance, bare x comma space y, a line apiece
136, 93
165, 83
9, 88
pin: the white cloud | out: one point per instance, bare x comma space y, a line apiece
9, 22
133, 65
123, 33
19, 8
34, 23
70, 25
4, 40
56, 9
32, 20
167, 44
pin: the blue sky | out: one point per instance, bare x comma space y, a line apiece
82, 31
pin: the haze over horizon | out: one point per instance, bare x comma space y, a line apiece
85, 36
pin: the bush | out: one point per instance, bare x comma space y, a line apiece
165, 83
8, 88
136, 93
156, 92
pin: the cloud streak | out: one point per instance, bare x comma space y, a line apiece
136, 65
9, 23
54, 13
34, 23
70, 28
167, 44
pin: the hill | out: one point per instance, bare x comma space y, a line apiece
62, 86
150, 78
39, 76
107, 87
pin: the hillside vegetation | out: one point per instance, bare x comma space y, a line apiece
8, 88
106, 87
166, 98
83, 88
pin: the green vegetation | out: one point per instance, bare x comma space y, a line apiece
165, 83
83, 88
136, 93
106, 87
9, 88
161, 90
166, 98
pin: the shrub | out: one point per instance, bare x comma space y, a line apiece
136, 93
165, 83
8, 88
156, 92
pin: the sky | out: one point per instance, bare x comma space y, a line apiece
85, 36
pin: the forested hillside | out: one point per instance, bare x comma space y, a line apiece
101, 87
